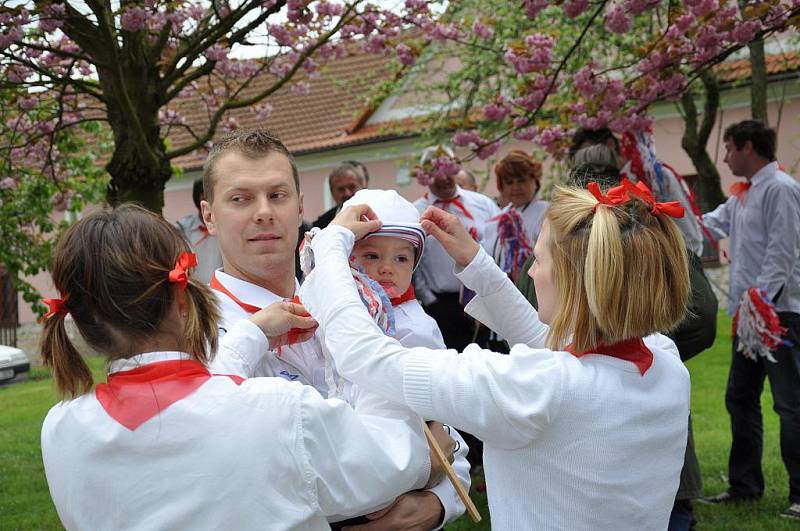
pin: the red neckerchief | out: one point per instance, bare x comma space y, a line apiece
455, 201
409, 295
133, 397
740, 188
294, 333
217, 285
633, 350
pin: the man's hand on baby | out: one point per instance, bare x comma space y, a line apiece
359, 219
451, 233
448, 446
419, 510
284, 323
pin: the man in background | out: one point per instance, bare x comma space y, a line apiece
344, 181
203, 244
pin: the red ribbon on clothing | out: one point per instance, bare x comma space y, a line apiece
633, 350
455, 201
133, 397
739, 189
293, 334
409, 295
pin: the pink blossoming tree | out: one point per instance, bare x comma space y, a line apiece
126, 64
539, 72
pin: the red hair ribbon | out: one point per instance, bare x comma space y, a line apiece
616, 195
672, 209
621, 194
56, 306
180, 273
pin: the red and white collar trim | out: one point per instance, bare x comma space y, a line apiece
134, 362
247, 291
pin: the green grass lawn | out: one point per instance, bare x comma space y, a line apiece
25, 501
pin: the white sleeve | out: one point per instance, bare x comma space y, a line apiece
505, 400
500, 305
718, 222
452, 504
240, 350
662, 342
417, 329
362, 457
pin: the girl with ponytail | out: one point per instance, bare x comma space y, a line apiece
164, 444
584, 424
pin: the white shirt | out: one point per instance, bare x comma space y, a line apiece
765, 238
256, 455
203, 244
569, 443
435, 271
532, 216
305, 363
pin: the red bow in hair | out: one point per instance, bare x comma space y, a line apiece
621, 194
180, 273
672, 209
56, 306
616, 195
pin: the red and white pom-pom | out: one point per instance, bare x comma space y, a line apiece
757, 326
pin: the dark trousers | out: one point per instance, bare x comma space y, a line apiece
457, 329
745, 383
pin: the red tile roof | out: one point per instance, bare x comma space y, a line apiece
740, 70
335, 112
331, 115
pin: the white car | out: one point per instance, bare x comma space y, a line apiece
13, 363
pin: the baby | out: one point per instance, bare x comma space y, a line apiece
389, 256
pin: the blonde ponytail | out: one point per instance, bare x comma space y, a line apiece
621, 271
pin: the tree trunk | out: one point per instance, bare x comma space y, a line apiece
139, 167
134, 180
758, 89
695, 139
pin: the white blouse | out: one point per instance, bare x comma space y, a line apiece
261, 453
570, 443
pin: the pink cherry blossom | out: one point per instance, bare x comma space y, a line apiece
534, 7
573, 8
496, 111
617, 21
466, 138
405, 54
133, 19
745, 31
8, 183
482, 31
262, 110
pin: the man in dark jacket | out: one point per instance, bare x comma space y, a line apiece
344, 181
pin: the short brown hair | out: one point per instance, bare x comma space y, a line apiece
518, 165
621, 272
762, 137
112, 269
252, 143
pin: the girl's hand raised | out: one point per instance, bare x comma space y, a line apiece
360, 219
451, 234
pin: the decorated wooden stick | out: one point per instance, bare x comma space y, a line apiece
451, 475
